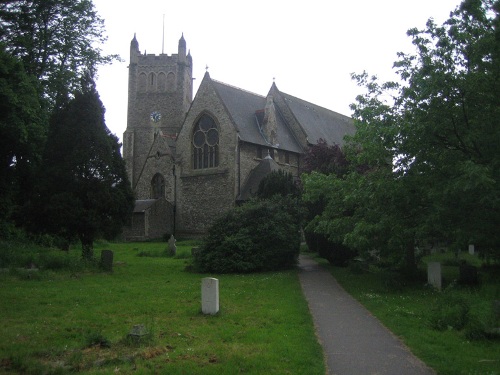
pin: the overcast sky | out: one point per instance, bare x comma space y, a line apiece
309, 48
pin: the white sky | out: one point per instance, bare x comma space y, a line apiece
309, 47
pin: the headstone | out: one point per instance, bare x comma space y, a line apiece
107, 260
471, 249
434, 274
210, 295
172, 249
468, 275
138, 333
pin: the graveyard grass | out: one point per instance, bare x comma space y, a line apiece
61, 322
405, 310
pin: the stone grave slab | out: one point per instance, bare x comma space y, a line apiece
210, 296
434, 274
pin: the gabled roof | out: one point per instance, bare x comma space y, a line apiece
143, 204
319, 122
243, 107
266, 166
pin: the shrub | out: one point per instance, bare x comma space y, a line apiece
337, 254
261, 235
449, 312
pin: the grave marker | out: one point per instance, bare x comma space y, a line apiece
471, 249
434, 274
210, 295
107, 260
172, 249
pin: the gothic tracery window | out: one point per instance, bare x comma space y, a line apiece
205, 143
158, 186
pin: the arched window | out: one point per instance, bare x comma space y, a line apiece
162, 82
170, 82
142, 82
158, 186
205, 143
152, 82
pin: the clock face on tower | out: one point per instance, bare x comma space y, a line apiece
155, 116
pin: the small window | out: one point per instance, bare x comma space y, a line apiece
205, 143
152, 83
158, 186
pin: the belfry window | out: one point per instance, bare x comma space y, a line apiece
158, 186
205, 143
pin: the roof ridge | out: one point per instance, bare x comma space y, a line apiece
237, 88
313, 104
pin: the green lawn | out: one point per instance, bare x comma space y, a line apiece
406, 311
67, 321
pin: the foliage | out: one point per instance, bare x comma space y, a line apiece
57, 40
325, 158
84, 189
430, 155
261, 235
277, 183
22, 133
449, 311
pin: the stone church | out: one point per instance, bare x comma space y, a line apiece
190, 160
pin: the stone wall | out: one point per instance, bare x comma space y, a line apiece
205, 194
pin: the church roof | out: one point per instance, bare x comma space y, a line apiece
143, 204
316, 122
319, 122
243, 107
266, 166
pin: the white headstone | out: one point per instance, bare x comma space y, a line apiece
210, 295
172, 249
434, 274
471, 249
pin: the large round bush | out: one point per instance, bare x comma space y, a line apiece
261, 235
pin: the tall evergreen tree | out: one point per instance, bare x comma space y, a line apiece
84, 189
22, 133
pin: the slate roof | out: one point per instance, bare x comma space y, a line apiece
242, 106
319, 122
143, 204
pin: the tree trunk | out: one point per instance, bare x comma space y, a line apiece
410, 260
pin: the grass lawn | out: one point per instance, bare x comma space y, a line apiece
65, 321
407, 311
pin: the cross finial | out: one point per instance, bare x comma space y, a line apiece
206, 68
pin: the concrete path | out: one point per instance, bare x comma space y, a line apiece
353, 340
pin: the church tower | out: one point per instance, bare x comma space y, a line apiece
160, 89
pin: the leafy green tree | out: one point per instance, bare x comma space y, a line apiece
22, 132
432, 156
277, 183
57, 40
84, 189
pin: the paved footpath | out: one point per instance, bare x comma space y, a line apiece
354, 341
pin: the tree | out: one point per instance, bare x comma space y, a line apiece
261, 235
432, 156
84, 189
57, 40
325, 158
22, 132
277, 183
